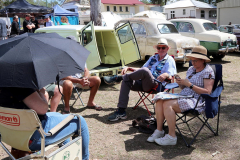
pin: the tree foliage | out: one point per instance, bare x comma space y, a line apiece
211, 1
145, 1
5, 3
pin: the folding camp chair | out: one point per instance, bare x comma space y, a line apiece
17, 127
77, 91
212, 103
145, 95
76, 94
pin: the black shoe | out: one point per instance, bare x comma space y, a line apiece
112, 79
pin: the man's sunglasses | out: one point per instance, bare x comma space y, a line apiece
161, 48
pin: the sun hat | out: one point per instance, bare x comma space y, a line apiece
28, 15
199, 52
161, 42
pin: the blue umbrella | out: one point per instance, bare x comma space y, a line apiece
35, 60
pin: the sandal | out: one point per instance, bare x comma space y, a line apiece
65, 112
98, 108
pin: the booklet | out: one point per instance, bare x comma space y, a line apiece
166, 95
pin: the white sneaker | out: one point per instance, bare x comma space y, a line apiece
156, 134
166, 140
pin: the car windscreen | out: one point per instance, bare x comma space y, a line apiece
209, 26
167, 28
237, 26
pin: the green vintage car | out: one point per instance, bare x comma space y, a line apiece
111, 50
217, 43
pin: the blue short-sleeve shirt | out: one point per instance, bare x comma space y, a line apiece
169, 66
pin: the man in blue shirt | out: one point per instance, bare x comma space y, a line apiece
48, 22
160, 66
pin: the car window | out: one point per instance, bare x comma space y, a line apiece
125, 34
185, 27
175, 24
134, 27
167, 28
226, 29
209, 26
87, 36
237, 26
138, 28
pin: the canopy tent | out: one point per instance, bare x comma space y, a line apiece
22, 7
59, 11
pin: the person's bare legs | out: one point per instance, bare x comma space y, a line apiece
94, 85
159, 114
56, 98
67, 92
170, 108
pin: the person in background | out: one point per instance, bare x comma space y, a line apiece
35, 22
15, 27
64, 20
230, 23
3, 30
27, 24
48, 22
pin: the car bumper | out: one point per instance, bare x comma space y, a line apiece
229, 49
181, 59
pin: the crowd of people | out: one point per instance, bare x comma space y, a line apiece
30, 24
199, 79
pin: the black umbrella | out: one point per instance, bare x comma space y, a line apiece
35, 60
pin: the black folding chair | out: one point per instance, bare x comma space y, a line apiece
212, 103
76, 94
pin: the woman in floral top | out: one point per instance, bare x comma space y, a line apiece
199, 80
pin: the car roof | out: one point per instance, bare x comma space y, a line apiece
191, 20
73, 27
226, 25
147, 20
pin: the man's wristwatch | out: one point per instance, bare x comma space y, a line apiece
191, 86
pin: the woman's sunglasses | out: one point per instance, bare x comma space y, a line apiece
161, 48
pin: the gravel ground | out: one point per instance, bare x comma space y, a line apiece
120, 140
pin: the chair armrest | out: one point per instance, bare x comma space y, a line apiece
61, 124
171, 85
216, 93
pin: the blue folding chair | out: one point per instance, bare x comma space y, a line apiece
212, 103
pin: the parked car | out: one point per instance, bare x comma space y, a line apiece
216, 42
110, 49
149, 30
232, 29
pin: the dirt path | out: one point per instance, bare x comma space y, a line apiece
120, 141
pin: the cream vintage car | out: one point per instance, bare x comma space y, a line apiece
149, 30
111, 50
216, 42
